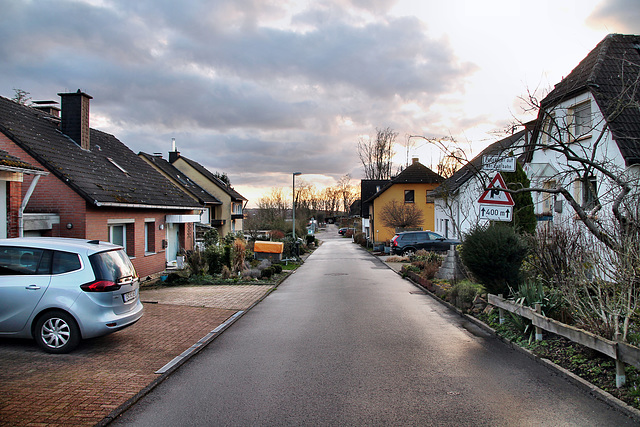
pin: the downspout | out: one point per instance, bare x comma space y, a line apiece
23, 206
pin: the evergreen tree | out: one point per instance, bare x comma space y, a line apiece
524, 218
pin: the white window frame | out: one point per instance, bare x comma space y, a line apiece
148, 223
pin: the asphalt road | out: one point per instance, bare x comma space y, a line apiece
346, 341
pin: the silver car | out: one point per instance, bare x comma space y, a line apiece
59, 291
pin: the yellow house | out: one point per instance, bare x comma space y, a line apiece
400, 198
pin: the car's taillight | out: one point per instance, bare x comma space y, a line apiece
100, 286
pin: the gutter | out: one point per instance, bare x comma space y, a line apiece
142, 206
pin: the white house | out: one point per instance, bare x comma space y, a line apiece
587, 143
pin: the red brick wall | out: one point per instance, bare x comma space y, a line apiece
14, 200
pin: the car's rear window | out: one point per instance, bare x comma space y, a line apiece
112, 265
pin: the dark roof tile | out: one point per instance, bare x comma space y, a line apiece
107, 174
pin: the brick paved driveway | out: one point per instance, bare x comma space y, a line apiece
83, 387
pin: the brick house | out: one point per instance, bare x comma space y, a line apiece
97, 188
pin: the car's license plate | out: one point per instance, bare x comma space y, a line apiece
131, 295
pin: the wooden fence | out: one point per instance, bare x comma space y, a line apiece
619, 351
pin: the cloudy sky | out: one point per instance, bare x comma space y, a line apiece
261, 88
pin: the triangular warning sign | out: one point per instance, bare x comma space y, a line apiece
496, 197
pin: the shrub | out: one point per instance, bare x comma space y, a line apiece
310, 239
266, 273
494, 256
428, 269
277, 268
239, 247
226, 273
464, 293
277, 234
196, 262
213, 258
360, 239
423, 255
211, 238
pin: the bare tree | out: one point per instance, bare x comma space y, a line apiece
347, 191
21, 97
399, 215
375, 154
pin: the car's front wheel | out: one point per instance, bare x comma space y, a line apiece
57, 332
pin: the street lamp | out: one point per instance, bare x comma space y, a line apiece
293, 205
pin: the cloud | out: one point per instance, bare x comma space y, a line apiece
246, 86
621, 14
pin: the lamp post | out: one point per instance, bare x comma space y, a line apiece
293, 205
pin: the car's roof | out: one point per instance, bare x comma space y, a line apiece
61, 243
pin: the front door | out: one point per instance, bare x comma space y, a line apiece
172, 242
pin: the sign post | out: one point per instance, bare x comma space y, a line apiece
496, 205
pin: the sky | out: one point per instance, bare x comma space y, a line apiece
258, 89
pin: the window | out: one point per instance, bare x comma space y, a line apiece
65, 262
122, 232
589, 193
549, 130
548, 198
24, 261
237, 208
409, 196
149, 237
581, 119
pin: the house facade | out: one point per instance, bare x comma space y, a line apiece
368, 187
587, 142
408, 190
97, 188
227, 216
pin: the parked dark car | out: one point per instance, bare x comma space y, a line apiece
342, 231
409, 242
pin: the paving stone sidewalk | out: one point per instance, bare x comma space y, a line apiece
81, 388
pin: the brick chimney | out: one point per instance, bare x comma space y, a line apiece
75, 117
414, 160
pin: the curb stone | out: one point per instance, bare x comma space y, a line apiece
581, 383
187, 355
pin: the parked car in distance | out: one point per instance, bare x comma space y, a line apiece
59, 290
409, 242
342, 231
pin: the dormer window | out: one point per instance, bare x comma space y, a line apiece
113, 162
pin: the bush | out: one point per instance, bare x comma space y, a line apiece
266, 273
494, 256
197, 263
226, 273
239, 247
360, 239
277, 234
464, 293
277, 268
310, 239
213, 258
427, 256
